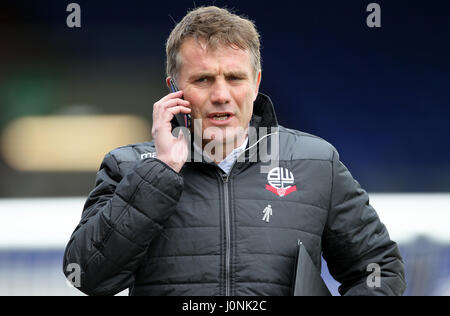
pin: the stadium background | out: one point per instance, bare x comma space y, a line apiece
380, 96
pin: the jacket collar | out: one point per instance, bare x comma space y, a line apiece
263, 112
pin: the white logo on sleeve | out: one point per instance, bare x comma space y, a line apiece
148, 155
267, 213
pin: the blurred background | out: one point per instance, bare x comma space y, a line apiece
381, 96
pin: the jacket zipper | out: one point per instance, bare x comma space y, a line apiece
227, 235
225, 180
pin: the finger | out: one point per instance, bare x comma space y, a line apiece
160, 111
168, 115
175, 102
178, 109
172, 95
160, 108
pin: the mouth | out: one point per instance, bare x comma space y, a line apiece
220, 118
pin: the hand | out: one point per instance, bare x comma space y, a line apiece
173, 151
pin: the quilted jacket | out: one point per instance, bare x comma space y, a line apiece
203, 232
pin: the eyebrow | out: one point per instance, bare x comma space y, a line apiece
200, 75
239, 74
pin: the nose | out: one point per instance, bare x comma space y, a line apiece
220, 93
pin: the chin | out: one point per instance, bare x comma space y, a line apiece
223, 134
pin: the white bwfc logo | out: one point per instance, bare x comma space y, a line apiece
267, 213
280, 181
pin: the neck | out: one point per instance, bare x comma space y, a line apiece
218, 151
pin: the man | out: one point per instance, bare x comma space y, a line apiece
161, 223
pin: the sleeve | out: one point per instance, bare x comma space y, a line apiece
120, 218
355, 241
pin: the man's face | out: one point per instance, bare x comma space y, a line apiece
221, 86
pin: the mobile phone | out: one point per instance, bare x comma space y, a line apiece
179, 119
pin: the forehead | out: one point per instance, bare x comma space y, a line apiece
196, 56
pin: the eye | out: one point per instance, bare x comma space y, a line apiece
202, 79
235, 78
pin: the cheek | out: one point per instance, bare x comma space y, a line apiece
248, 114
197, 100
246, 99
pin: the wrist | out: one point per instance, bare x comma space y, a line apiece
174, 165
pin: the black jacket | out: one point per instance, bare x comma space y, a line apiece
201, 232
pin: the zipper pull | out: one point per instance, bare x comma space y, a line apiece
224, 177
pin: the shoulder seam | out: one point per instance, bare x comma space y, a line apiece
300, 133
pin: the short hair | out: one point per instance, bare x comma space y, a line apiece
216, 26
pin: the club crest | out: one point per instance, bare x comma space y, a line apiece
281, 181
